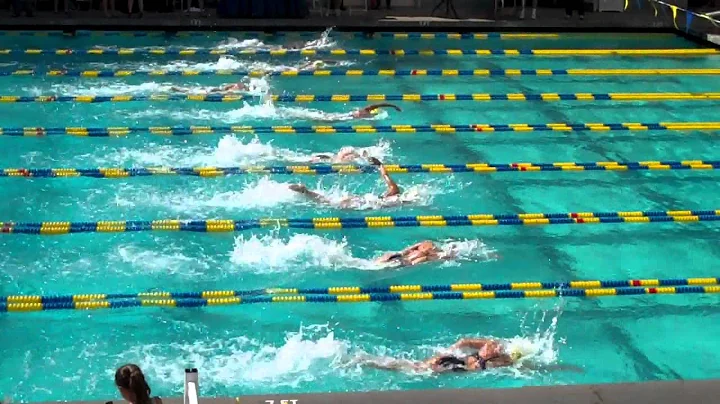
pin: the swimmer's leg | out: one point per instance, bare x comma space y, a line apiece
393, 364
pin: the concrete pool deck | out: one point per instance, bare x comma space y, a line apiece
670, 392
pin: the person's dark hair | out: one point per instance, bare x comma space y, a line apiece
131, 378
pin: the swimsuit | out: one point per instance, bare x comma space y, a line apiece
399, 258
455, 364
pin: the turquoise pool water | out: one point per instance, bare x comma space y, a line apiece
306, 348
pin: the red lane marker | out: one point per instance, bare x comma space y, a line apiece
442, 97
579, 220
574, 215
652, 291
636, 283
413, 72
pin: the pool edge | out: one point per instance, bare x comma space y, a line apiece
662, 392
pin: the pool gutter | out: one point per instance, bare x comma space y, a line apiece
666, 392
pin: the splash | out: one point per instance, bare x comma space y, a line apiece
234, 43
247, 112
231, 150
270, 253
254, 194
256, 87
538, 346
107, 88
172, 260
302, 357
467, 250
325, 41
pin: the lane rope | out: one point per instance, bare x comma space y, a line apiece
297, 98
345, 290
36, 131
159, 51
323, 169
290, 34
361, 72
333, 223
355, 298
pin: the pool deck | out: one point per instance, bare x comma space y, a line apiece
672, 392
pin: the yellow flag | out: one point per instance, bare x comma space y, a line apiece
674, 11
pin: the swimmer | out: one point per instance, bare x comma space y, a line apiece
363, 113
319, 64
487, 354
346, 154
371, 110
391, 197
422, 252
229, 88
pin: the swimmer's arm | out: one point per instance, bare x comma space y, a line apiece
473, 343
500, 361
411, 248
384, 105
393, 188
179, 89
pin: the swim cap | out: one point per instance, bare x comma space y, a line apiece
516, 354
374, 111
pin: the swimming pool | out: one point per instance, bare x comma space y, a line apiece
60, 355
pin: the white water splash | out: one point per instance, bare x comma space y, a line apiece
467, 250
170, 260
270, 253
303, 356
538, 346
265, 110
230, 151
254, 194
256, 87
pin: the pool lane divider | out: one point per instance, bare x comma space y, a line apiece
353, 298
335, 223
346, 290
163, 51
37, 131
299, 98
365, 72
323, 169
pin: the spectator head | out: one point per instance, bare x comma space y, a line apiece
132, 385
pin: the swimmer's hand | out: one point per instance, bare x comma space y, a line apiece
375, 161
